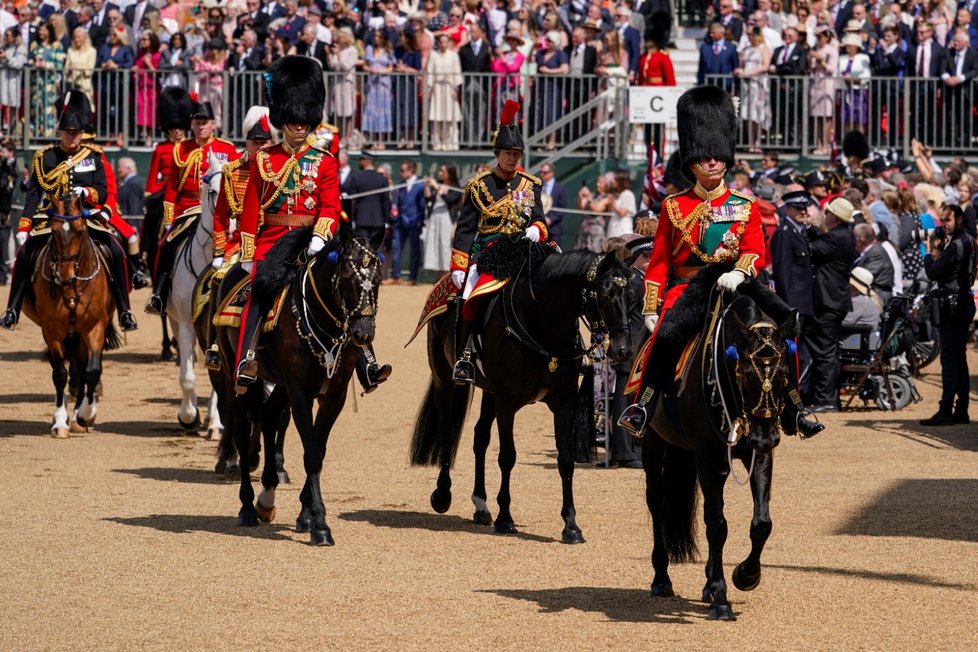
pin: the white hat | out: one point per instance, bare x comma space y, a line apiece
842, 208
861, 279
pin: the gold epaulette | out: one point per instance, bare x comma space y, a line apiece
476, 179
749, 198
231, 166
532, 178
98, 149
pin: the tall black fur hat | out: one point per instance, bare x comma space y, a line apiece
508, 134
707, 125
173, 109
855, 144
674, 174
74, 111
295, 91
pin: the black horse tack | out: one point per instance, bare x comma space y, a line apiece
530, 343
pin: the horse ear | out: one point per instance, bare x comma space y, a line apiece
377, 239
345, 232
787, 328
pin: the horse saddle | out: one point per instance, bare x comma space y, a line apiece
232, 304
181, 226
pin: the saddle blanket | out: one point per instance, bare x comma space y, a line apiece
210, 279
642, 358
182, 223
436, 303
229, 312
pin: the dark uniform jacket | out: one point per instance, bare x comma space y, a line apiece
832, 256
55, 172
954, 269
791, 259
374, 210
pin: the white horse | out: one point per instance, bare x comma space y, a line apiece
192, 259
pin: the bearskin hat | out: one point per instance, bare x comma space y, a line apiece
707, 126
173, 109
256, 125
508, 135
295, 91
673, 174
855, 144
74, 111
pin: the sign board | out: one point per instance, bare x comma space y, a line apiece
653, 104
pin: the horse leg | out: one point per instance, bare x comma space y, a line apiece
483, 433
283, 426
273, 408
653, 458
313, 513
187, 415
505, 416
563, 411
441, 497
214, 424
59, 376
747, 574
85, 414
246, 409
166, 352
712, 477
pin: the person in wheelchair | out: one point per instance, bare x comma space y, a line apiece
867, 309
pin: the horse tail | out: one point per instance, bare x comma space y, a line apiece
428, 447
113, 340
679, 485
583, 424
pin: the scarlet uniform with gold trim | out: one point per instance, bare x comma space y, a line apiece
160, 166
55, 172
230, 205
190, 164
111, 205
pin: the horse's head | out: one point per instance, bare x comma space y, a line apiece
67, 219
355, 284
757, 355
606, 302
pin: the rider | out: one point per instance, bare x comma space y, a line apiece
708, 224
181, 199
128, 234
230, 199
501, 202
294, 184
73, 166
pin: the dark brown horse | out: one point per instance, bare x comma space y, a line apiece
72, 303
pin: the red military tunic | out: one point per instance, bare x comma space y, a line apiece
190, 162
230, 204
111, 205
160, 166
655, 69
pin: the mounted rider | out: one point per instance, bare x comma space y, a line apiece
707, 224
74, 166
181, 199
497, 203
230, 200
293, 185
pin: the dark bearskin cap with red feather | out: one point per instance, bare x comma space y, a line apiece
295, 91
508, 135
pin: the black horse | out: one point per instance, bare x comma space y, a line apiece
311, 354
734, 380
530, 351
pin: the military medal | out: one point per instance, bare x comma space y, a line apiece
310, 203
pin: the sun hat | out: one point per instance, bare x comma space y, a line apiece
861, 279
842, 209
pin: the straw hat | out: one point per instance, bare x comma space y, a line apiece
852, 39
861, 279
513, 37
842, 209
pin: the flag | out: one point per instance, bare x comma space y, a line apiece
653, 185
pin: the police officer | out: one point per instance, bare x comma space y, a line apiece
73, 166
951, 264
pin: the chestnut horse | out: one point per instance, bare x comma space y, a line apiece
72, 303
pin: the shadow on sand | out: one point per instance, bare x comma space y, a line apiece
190, 523
875, 576
188, 476
432, 522
617, 605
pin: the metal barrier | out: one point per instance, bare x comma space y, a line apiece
810, 115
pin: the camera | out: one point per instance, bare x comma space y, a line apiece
938, 239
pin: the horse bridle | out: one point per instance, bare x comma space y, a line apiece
766, 367
592, 307
56, 258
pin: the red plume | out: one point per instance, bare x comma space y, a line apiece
263, 121
510, 109
193, 96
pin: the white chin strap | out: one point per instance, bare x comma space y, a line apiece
470, 281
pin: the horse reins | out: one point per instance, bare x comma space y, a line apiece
55, 258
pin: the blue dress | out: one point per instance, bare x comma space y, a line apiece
549, 99
408, 109
377, 106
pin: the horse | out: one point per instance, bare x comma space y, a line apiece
531, 340
725, 405
329, 313
72, 303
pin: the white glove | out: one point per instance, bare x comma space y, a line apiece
651, 321
458, 277
533, 233
79, 191
21, 238
248, 265
133, 238
218, 262
731, 280
315, 245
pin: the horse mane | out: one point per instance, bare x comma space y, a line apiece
279, 267
573, 264
506, 257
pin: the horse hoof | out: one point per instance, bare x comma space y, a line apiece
220, 467
283, 477
248, 518
303, 525
166, 355
722, 612
265, 514
59, 433
193, 425
506, 528
572, 536
743, 580
77, 428
482, 517
321, 538
232, 471
441, 500
662, 590
84, 423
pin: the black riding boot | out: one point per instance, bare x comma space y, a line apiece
18, 287
369, 373
247, 371
120, 290
793, 421
161, 283
137, 269
464, 372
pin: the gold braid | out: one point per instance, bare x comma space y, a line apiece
227, 172
189, 165
279, 179
55, 182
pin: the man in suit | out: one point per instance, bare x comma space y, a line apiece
346, 181
273, 10
726, 18
71, 16
583, 59
130, 190
718, 57
925, 63
101, 10
861, 23
133, 15
253, 19
475, 59
964, 20
630, 38
407, 220
832, 254
370, 213
248, 53
841, 11
960, 70
872, 256
558, 196
308, 45
28, 29
790, 61
97, 33
888, 60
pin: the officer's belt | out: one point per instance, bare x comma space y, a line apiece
276, 219
504, 225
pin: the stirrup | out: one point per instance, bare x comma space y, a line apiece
8, 319
247, 373
464, 371
155, 305
634, 419
212, 360
128, 321
139, 281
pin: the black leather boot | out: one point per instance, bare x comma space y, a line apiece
793, 421
157, 301
18, 287
369, 373
140, 279
247, 371
464, 371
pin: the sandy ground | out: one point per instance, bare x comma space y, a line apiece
124, 538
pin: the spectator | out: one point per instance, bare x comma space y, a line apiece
755, 60
130, 190
612, 61
342, 59
963, 20
147, 62
210, 77
823, 63
8, 181
113, 57
582, 59
553, 189
507, 64
134, 13
407, 220
925, 61
879, 210
379, 63
630, 39
912, 235
28, 30
443, 81
408, 65
474, 58
759, 20
99, 34
841, 13
870, 254
254, 19
861, 24
718, 58
435, 19
248, 53
624, 206
939, 17
371, 212
47, 58
960, 70
854, 68
455, 28
314, 17
61, 33
551, 63
443, 203
176, 61
867, 309
788, 62
732, 26
113, 18
552, 23
292, 26
887, 60
80, 62
591, 235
